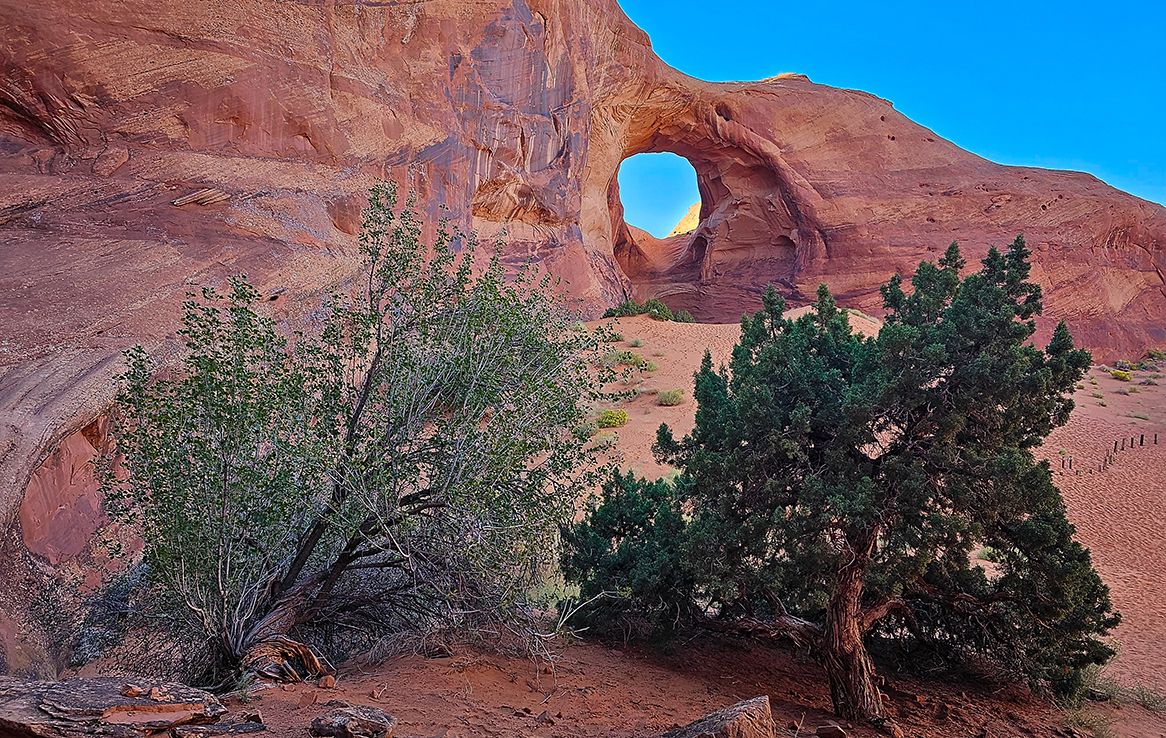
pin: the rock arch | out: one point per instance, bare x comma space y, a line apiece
754, 227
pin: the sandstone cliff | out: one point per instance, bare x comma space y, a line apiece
146, 145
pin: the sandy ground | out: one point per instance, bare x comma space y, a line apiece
597, 690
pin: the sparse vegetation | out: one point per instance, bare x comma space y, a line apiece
612, 418
1098, 395
1120, 375
1139, 416
651, 366
636, 342
669, 398
655, 309
585, 430
1157, 355
623, 358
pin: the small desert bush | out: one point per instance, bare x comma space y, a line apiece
657, 353
671, 397
623, 358
987, 553
612, 418
1102, 403
1080, 386
683, 316
606, 439
1120, 375
1157, 355
636, 342
1149, 382
1098, 395
651, 366
586, 430
1139, 416
614, 337
579, 327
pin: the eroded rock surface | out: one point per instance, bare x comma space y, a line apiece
146, 145
748, 719
101, 706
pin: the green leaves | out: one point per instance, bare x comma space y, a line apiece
407, 464
819, 451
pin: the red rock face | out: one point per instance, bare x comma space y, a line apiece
61, 509
145, 145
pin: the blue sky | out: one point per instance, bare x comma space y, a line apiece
1062, 85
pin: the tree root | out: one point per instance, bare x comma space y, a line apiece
276, 657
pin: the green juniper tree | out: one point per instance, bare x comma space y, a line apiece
836, 485
407, 466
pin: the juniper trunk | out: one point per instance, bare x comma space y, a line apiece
852, 685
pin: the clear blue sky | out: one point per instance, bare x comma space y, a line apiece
1062, 85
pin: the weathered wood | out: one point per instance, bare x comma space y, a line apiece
102, 706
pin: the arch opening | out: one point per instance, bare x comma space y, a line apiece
659, 192
748, 222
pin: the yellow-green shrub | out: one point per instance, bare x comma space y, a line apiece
670, 397
1120, 375
612, 418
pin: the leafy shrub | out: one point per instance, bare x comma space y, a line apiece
636, 342
654, 308
651, 367
1149, 381
1120, 375
657, 353
657, 310
671, 397
614, 337
1098, 395
579, 327
612, 418
1126, 366
1157, 355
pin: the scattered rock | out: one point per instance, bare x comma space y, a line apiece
100, 706
749, 719
361, 721
337, 703
327, 682
196, 731
830, 730
254, 717
545, 717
